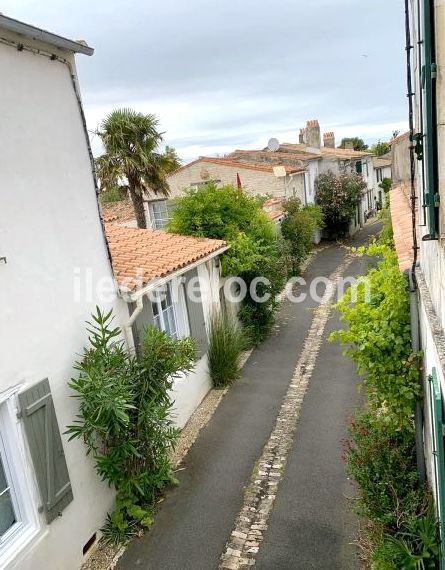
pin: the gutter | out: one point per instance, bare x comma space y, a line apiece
37, 34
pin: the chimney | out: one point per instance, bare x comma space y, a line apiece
329, 140
349, 145
313, 135
302, 137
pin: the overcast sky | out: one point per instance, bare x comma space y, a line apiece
226, 74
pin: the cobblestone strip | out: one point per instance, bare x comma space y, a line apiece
244, 543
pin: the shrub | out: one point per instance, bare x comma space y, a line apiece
114, 194
378, 338
255, 248
338, 197
298, 228
227, 341
385, 185
124, 417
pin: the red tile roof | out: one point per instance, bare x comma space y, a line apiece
400, 204
140, 256
328, 151
118, 212
262, 167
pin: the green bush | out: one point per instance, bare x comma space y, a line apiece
227, 342
380, 453
124, 417
338, 197
378, 338
255, 248
386, 236
114, 194
298, 228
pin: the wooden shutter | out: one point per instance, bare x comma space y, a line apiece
429, 119
196, 317
45, 444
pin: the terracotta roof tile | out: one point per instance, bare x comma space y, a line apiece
260, 166
328, 151
380, 162
140, 256
402, 224
118, 212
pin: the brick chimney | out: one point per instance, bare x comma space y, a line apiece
302, 136
329, 140
313, 134
349, 145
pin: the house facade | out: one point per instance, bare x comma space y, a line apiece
424, 149
171, 282
53, 263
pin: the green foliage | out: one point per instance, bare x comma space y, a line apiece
338, 197
255, 248
357, 143
385, 185
380, 148
114, 194
171, 160
124, 416
380, 452
403, 530
386, 236
378, 337
227, 342
298, 227
131, 141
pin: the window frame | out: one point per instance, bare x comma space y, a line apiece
24, 494
157, 299
156, 217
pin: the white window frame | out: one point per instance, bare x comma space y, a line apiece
177, 306
159, 219
18, 475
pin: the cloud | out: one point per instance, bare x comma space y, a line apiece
226, 74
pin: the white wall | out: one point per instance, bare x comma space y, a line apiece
49, 225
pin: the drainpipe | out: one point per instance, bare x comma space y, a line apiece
415, 345
128, 327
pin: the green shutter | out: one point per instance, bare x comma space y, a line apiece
45, 445
196, 317
359, 167
429, 120
437, 433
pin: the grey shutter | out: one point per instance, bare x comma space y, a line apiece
196, 317
45, 444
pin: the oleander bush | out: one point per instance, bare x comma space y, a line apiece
124, 417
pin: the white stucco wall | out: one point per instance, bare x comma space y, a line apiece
49, 225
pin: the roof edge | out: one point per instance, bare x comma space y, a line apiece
35, 33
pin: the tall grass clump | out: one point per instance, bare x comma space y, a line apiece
227, 342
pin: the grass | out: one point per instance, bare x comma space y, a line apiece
227, 342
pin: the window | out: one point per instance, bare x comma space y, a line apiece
18, 522
379, 174
159, 214
164, 316
358, 167
196, 185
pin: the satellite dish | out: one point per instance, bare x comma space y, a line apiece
273, 145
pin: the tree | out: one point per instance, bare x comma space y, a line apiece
338, 197
172, 160
255, 247
380, 148
131, 159
357, 143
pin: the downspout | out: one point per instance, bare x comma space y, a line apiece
415, 346
413, 298
129, 337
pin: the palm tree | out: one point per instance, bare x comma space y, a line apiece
131, 159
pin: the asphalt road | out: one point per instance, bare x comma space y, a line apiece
311, 525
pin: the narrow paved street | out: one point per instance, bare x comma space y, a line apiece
264, 483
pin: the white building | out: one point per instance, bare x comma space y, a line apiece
55, 267
426, 53
172, 282
53, 502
